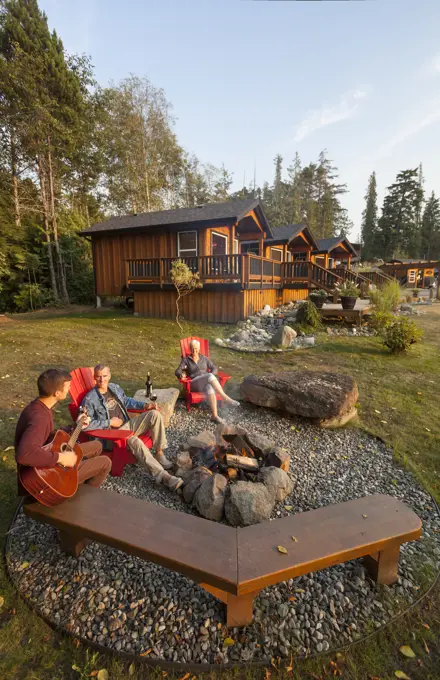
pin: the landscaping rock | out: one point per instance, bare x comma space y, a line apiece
194, 480
248, 503
184, 465
201, 441
228, 429
277, 482
219, 342
166, 401
283, 337
310, 394
277, 457
259, 445
209, 498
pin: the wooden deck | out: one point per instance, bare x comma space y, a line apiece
244, 271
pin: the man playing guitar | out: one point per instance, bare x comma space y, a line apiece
35, 430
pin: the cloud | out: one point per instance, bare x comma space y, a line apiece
431, 67
346, 108
424, 119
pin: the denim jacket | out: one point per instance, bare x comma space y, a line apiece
97, 408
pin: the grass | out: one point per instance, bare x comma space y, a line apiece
398, 402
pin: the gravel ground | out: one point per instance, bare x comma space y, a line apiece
127, 604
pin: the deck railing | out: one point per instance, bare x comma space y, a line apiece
376, 277
350, 275
248, 270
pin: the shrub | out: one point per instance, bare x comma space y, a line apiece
185, 282
318, 294
381, 320
387, 298
348, 289
401, 334
308, 318
33, 296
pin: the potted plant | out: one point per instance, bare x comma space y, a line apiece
415, 292
318, 297
349, 293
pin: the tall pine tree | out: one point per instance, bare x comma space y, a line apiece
399, 235
369, 221
430, 236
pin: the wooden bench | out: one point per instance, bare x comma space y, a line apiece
232, 564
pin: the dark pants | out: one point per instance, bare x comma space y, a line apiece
93, 468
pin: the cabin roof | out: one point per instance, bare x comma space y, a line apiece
328, 244
287, 233
232, 211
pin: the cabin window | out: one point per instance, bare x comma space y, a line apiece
252, 247
187, 244
300, 257
219, 244
235, 246
276, 254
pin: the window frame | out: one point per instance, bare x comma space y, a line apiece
226, 238
277, 250
249, 242
181, 251
236, 246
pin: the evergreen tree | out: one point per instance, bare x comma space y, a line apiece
430, 236
399, 234
294, 172
369, 236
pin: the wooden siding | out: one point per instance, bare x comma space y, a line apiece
201, 305
254, 300
293, 294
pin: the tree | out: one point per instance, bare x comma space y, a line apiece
185, 282
398, 231
430, 232
294, 172
369, 233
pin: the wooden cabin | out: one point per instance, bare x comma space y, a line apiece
413, 273
334, 253
243, 264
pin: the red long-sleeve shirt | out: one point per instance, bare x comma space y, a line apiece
34, 430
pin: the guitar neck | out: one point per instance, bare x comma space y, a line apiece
74, 436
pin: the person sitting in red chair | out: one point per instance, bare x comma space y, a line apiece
107, 406
201, 371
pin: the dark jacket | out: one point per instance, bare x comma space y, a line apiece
193, 370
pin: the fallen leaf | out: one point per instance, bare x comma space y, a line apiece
292, 599
147, 652
426, 428
385, 422
365, 516
281, 549
228, 642
10, 448
185, 677
425, 625
407, 651
93, 673
288, 507
24, 565
419, 392
102, 674
299, 590
4, 458
294, 539
2, 601
401, 675
376, 411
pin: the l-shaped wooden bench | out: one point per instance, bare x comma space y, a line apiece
236, 564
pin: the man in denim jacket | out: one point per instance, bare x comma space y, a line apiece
107, 406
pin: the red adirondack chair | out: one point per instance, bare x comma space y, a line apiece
197, 397
83, 382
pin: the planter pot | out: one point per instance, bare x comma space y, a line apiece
317, 300
348, 301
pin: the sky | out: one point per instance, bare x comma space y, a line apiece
248, 80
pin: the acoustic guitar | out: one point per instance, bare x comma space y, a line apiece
51, 486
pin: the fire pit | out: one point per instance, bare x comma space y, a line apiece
233, 475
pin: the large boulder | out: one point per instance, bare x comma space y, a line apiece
283, 337
200, 441
277, 482
209, 498
248, 503
321, 396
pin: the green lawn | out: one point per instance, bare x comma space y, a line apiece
398, 401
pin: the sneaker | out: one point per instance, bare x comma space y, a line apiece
233, 402
172, 483
164, 461
218, 420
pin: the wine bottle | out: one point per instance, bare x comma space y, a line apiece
149, 386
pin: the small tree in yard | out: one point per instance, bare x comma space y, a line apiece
185, 282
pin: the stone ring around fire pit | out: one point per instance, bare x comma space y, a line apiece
233, 476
